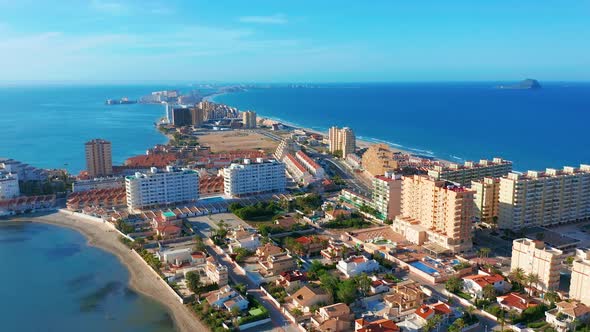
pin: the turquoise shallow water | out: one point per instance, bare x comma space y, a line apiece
52, 280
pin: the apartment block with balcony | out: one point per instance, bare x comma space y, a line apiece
261, 176
471, 171
341, 139
580, 282
544, 198
8, 186
387, 192
486, 199
161, 187
296, 171
436, 212
379, 159
533, 256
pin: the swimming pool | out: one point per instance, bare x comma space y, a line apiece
214, 199
423, 267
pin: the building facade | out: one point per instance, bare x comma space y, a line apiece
342, 140
161, 187
544, 198
197, 116
580, 282
471, 171
378, 160
533, 256
249, 119
296, 171
181, 116
387, 195
99, 162
486, 199
8, 186
254, 177
436, 211
312, 167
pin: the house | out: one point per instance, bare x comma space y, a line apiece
381, 325
308, 296
198, 257
335, 317
226, 297
517, 302
335, 251
563, 317
405, 295
427, 312
168, 231
217, 273
244, 239
266, 250
290, 280
175, 257
312, 245
474, 284
275, 264
355, 265
379, 286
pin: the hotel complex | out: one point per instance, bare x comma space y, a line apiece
160, 187
342, 140
435, 211
99, 158
254, 177
470, 171
533, 256
544, 198
580, 282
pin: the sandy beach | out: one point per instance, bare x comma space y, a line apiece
141, 279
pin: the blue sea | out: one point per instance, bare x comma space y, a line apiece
536, 129
52, 280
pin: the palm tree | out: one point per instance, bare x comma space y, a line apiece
531, 279
484, 252
517, 275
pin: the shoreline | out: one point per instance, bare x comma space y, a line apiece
141, 280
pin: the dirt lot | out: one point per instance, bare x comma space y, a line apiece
237, 140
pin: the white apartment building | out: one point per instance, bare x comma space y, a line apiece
296, 171
8, 186
160, 187
533, 256
471, 171
254, 177
580, 283
544, 198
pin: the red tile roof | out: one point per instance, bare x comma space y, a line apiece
308, 160
482, 280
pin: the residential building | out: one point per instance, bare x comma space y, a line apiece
379, 159
285, 146
181, 116
437, 212
216, 272
427, 312
580, 282
566, 315
252, 178
355, 265
249, 119
296, 171
471, 171
103, 198
98, 183
175, 256
405, 295
310, 165
387, 195
308, 296
516, 301
276, 264
544, 198
8, 186
267, 250
227, 298
310, 245
243, 239
380, 325
533, 256
335, 317
486, 198
474, 284
99, 161
291, 280
24, 172
335, 251
197, 116
161, 187
341, 140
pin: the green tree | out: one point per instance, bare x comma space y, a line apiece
532, 279
193, 281
347, 291
489, 292
199, 244
457, 325
364, 283
329, 283
454, 284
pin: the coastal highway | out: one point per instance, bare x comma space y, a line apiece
351, 179
280, 322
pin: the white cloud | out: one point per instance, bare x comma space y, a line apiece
272, 19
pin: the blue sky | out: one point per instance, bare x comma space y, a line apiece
279, 41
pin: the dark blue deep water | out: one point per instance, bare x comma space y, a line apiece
456, 121
51, 280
